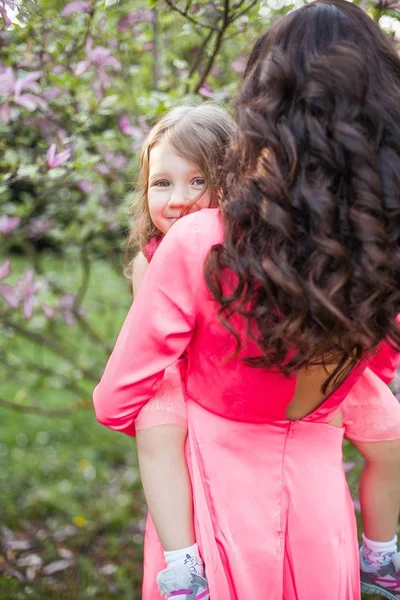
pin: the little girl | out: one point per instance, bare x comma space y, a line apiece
178, 175
179, 166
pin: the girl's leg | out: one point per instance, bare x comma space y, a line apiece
168, 491
166, 484
380, 488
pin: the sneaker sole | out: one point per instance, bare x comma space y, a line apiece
371, 589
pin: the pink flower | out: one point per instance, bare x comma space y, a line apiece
55, 160
132, 18
98, 59
86, 186
3, 10
13, 89
39, 226
6, 291
27, 289
78, 6
111, 162
348, 466
388, 5
5, 113
8, 224
239, 64
206, 92
48, 311
67, 307
58, 69
133, 131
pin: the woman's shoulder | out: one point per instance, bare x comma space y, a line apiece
202, 230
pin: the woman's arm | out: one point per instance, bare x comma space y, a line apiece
156, 332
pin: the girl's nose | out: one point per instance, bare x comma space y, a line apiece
177, 199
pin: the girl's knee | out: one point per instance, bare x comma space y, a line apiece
155, 442
382, 454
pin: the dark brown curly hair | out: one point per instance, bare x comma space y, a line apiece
311, 204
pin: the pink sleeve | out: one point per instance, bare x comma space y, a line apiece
386, 361
156, 332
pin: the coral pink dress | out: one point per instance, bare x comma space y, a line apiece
273, 514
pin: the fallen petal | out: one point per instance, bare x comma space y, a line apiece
57, 565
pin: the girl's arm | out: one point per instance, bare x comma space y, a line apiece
139, 269
156, 332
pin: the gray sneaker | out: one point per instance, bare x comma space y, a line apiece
181, 584
385, 581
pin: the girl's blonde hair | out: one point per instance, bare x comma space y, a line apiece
200, 134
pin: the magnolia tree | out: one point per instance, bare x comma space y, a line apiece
80, 85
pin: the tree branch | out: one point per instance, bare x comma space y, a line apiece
39, 410
245, 10
42, 340
226, 21
47, 372
156, 57
199, 57
185, 14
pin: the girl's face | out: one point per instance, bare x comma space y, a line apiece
174, 184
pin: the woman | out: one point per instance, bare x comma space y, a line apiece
279, 305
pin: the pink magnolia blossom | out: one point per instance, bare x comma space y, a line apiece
98, 59
206, 92
148, 47
15, 90
58, 69
55, 160
48, 311
8, 224
5, 113
52, 93
136, 133
67, 308
388, 4
239, 64
78, 6
3, 11
7, 291
112, 162
39, 226
26, 290
86, 186
348, 466
132, 18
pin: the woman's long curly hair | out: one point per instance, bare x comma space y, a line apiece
311, 204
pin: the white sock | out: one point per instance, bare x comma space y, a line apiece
377, 554
187, 556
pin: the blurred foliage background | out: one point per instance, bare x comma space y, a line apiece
80, 85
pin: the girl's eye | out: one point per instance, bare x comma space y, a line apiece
162, 183
199, 181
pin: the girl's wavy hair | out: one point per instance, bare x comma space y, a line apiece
311, 194
201, 135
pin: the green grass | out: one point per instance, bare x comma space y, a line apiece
70, 489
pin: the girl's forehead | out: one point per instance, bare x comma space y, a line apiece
163, 156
